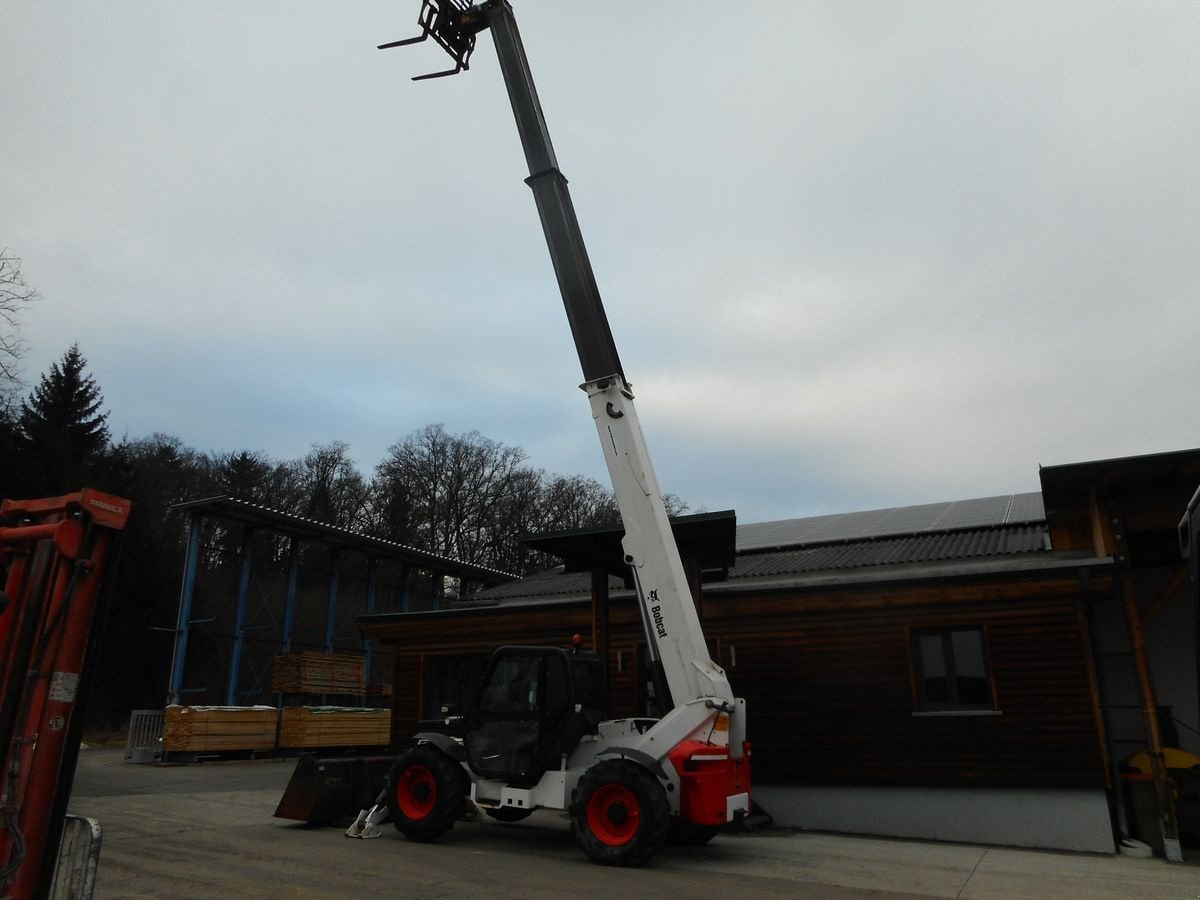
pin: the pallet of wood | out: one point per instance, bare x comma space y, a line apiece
204, 729
314, 672
334, 726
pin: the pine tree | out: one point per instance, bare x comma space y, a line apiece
62, 426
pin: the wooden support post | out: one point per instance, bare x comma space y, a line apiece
1178, 580
600, 618
1158, 770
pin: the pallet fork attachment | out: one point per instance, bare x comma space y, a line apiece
453, 25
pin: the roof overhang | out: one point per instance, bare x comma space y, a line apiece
993, 567
1065, 486
708, 539
1030, 567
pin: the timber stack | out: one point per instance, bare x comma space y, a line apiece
314, 672
309, 677
311, 727
213, 729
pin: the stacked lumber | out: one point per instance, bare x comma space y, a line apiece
334, 726
314, 672
199, 729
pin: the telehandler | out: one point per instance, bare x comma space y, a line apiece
536, 735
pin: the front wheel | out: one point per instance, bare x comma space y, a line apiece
620, 813
428, 793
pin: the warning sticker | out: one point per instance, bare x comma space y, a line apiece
63, 686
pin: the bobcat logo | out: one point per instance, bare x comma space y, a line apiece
656, 613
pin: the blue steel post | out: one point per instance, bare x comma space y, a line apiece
331, 608
239, 627
368, 644
289, 600
187, 593
437, 585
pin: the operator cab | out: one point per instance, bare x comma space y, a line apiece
534, 704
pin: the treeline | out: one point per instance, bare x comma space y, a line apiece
459, 495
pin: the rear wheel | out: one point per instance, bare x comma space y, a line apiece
428, 793
619, 813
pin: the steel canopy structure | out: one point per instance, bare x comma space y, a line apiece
254, 518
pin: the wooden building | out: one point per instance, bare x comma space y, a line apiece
959, 671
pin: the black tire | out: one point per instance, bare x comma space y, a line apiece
619, 813
508, 813
683, 833
427, 792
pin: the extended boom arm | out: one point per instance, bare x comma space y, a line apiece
672, 626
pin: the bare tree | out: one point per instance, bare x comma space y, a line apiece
15, 295
333, 489
455, 487
577, 502
474, 498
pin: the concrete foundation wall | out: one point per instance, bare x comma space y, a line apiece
1046, 819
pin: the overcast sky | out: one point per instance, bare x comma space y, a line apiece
855, 254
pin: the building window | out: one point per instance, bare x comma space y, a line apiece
951, 670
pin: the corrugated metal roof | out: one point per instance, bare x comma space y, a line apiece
245, 511
952, 546
973, 543
904, 538
877, 523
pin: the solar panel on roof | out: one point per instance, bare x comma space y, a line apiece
1027, 508
980, 512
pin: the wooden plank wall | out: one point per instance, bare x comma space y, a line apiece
829, 684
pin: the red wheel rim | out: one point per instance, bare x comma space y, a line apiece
613, 814
416, 792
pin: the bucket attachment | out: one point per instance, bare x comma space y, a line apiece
453, 24
322, 791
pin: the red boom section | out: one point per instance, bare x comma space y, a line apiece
54, 552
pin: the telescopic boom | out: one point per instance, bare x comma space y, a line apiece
673, 628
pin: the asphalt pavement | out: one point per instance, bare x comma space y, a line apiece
207, 831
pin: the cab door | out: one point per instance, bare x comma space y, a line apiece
504, 727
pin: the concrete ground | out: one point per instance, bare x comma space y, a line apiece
207, 831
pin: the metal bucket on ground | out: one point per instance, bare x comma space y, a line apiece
323, 791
